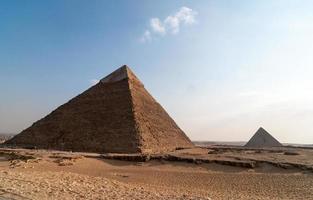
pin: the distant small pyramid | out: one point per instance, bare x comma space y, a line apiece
117, 115
263, 139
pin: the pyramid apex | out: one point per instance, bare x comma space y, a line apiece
121, 73
262, 131
124, 67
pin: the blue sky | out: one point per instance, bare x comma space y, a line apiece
220, 68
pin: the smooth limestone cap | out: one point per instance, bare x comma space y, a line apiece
119, 74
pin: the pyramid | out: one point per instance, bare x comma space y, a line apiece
117, 115
263, 139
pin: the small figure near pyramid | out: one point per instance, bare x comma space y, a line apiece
263, 139
117, 115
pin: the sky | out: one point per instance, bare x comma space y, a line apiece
221, 68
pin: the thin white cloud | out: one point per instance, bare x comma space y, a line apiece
184, 16
94, 81
171, 24
156, 26
146, 37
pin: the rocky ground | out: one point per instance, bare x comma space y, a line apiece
35, 174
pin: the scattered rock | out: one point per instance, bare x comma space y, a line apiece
291, 153
66, 160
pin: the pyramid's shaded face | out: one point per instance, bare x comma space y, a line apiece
262, 139
116, 115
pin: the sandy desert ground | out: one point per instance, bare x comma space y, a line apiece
200, 173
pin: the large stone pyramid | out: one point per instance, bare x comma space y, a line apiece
262, 139
116, 115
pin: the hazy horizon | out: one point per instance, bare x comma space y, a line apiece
221, 69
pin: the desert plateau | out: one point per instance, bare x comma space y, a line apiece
215, 172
